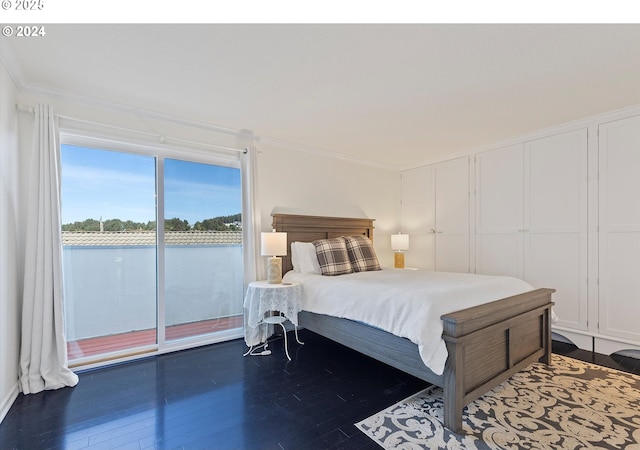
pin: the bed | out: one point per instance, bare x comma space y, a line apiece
485, 344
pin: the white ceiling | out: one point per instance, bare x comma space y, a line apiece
394, 94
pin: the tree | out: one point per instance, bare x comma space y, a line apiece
176, 224
222, 223
113, 225
86, 225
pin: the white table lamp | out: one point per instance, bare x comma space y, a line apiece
399, 242
274, 245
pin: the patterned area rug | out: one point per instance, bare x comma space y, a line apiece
567, 405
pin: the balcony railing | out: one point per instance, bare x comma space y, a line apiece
110, 285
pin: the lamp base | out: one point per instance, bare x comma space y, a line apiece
274, 270
398, 260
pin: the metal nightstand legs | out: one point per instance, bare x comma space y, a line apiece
280, 320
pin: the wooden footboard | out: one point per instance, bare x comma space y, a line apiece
489, 343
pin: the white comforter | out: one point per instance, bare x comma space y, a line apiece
407, 303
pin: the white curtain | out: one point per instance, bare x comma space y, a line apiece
253, 260
43, 352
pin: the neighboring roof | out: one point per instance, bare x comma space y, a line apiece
119, 238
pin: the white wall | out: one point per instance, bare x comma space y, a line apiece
297, 181
10, 259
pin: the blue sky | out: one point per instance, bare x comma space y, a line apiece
115, 185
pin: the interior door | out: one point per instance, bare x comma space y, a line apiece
418, 216
555, 238
619, 287
452, 215
499, 211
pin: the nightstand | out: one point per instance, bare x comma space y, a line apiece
263, 299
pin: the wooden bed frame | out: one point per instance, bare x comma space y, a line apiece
486, 344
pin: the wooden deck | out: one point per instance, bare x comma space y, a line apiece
117, 342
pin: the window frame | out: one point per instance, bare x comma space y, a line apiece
131, 142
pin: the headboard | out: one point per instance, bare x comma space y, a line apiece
309, 228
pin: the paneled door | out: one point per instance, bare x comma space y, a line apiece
555, 238
499, 210
435, 213
452, 215
619, 287
418, 216
531, 218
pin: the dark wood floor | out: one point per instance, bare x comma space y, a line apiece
213, 398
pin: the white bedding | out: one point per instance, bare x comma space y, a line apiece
407, 303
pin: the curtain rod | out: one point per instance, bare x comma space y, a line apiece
162, 139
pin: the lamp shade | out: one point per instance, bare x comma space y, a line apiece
400, 241
273, 244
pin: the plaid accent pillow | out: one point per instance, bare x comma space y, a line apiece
361, 253
332, 256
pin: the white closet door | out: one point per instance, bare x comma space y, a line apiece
619, 192
499, 212
418, 216
555, 238
452, 215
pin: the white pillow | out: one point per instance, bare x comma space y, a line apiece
295, 259
304, 258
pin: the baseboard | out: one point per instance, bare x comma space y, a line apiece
7, 402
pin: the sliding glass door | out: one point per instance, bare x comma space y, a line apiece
109, 251
202, 249
131, 286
